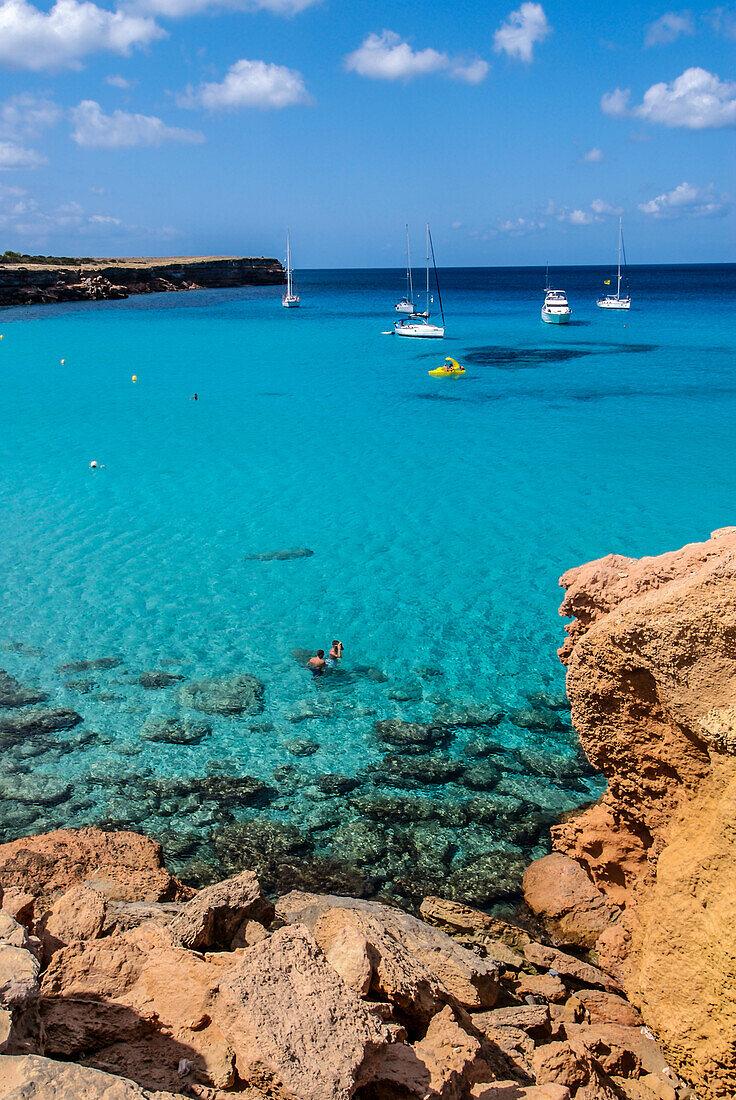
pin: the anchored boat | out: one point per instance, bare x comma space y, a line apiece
615, 301
290, 300
555, 308
417, 325
449, 368
406, 305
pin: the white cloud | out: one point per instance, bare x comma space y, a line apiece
249, 84
71, 29
387, 56
118, 81
104, 219
521, 31
598, 206
686, 201
669, 27
593, 156
176, 9
13, 155
696, 100
722, 21
520, 227
121, 130
26, 115
578, 217
474, 72
616, 103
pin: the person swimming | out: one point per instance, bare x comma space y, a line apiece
335, 654
316, 664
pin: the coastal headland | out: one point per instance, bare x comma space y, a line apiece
28, 282
615, 983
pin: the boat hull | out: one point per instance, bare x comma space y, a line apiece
614, 303
290, 302
420, 332
404, 307
555, 318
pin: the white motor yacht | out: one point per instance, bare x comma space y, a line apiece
555, 310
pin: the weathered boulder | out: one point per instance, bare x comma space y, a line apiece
136, 1004
79, 914
20, 1031
416, 967
572, 1065
534, 1020
294, 1022
211, 920
35, 1078
122, 866
558, 889
568, 966
453, 1057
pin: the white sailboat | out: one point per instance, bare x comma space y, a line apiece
406, 305
417, 324
555, 308
615, 301
290, 300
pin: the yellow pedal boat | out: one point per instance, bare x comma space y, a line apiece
450, 367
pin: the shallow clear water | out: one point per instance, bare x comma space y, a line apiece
440, 513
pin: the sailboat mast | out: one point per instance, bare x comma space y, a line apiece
620, 234
409, 277
436, 276
288, 265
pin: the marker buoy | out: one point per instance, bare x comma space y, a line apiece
134, 378
93, 465
1, 336
63, 361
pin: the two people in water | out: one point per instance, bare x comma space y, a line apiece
319, 662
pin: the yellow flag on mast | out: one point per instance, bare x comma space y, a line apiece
606, 282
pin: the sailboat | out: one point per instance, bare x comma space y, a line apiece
615, 301
555, 308
417, 324
290, 300
406, 305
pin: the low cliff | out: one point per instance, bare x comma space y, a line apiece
651, 677
25, 284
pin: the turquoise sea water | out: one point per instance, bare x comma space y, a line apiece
440, 513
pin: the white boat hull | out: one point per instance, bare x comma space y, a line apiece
614, 303
290, 301
555, 318
419, 331
404, 307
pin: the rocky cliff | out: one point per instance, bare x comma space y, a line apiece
117, 278
651, 677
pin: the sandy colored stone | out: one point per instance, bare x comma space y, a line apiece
213, 918
416, 967
569, 967
601, 1007
122, 865
472, 926
79, 914
350, 954
292, 1020
652, 684
452, 1057
20, 906
548, 986
571, 1065
532, 1019
510, 1090
35, 1078
138, 1003
558, 889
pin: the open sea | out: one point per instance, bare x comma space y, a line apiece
439, 514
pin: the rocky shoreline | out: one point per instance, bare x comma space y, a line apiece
115, 279
111, 965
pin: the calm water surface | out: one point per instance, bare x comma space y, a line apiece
440, 513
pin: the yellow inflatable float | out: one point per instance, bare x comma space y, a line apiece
450, 367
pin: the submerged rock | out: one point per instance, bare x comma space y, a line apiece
301, 746
90, 665
281, 555
407, 692
238, 694
35, 789
409, 771
82, 686
14, 694
157, 678
173, 731
531, 718
337, 784
34, 723
410, 735
467, 715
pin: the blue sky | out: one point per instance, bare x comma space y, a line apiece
520, 131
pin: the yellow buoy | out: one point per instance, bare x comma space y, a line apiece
1, 336
134, 378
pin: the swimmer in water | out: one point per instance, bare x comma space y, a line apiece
316, 664
335, 654
194, 397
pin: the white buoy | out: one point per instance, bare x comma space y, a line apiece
63, 362
93, 465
